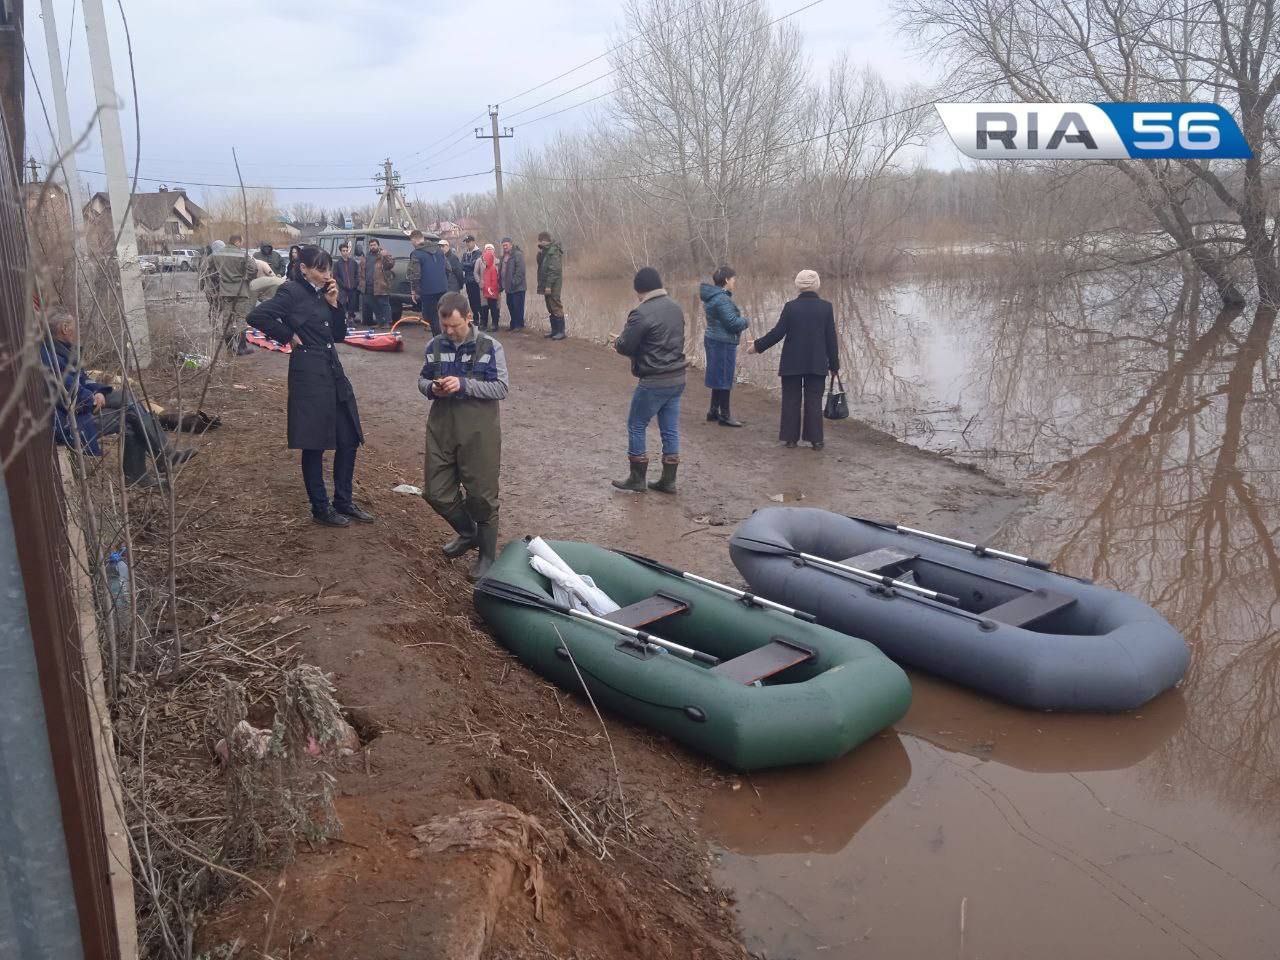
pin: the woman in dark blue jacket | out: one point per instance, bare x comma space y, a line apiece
725, 324
322, 404
809, 352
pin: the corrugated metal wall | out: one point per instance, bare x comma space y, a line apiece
55, 899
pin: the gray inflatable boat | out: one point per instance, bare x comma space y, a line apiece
996, 622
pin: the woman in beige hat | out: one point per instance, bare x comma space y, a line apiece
810, 351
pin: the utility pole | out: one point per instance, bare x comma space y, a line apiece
11, 81
104, 85
70, 172
33, 170
497, 139
391, 199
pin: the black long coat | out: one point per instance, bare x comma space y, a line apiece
807, 327
319, 391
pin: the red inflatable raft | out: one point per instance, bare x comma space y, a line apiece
260, 339
389, 340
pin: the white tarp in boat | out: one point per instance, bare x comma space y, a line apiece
552, 566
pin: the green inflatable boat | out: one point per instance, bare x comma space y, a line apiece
729, 675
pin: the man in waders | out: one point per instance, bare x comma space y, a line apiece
464, 377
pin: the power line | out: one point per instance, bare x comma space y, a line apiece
587, 63
179, 181
827, 133
572, 106
636, 59
466, 126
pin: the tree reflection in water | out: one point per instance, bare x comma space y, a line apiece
1152, 428
1149, 424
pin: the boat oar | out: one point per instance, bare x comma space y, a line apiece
824, 564
975, 548
502, 590
748, 598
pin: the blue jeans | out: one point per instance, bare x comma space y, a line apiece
515, 307
377, 309
646, 403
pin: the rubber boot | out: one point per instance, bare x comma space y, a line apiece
635, 482
465, 527
557, 328
714, 413
726, 418
487, 540
551, 321
667, 482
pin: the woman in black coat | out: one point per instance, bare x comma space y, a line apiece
322, 404
810, 351
294, 270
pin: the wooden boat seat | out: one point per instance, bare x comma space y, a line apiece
878, 560
764, 662
1030, 608
647, 611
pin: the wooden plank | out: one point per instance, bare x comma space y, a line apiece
1029, 608
647, 611
763, 662
877, 560
114, 828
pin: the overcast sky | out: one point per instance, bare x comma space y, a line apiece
318, 98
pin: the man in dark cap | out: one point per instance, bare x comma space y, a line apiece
654, 340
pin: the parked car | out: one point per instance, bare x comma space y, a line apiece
394, 242
182, 258
147, 263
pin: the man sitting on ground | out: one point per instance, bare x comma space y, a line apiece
91, 410
464, 377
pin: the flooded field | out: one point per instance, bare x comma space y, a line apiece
1149, 426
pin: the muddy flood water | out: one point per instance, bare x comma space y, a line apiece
1148, 426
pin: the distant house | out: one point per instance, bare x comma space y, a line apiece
454, 229
292, 230
164, 219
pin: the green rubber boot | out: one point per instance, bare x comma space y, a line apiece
487, 541
667, 482
635, 482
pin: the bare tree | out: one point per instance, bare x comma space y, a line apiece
1224, 51
863, 131
304, 212
707, 96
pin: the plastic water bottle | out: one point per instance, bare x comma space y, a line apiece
118, 579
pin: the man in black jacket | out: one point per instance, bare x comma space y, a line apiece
471, 252
514, 283
455, 279
654, 340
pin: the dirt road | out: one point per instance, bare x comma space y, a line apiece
450, 718
564, 438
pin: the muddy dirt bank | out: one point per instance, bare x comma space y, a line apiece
451, 720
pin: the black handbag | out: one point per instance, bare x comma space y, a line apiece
837, 406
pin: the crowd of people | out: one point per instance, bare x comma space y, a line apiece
487, 277
309, 301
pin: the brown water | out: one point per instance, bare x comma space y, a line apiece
1150, 427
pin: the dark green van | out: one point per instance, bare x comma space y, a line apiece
392, 241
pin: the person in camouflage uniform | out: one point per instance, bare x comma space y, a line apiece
234, 269
550, 278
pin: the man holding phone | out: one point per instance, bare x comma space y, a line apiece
464, 377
